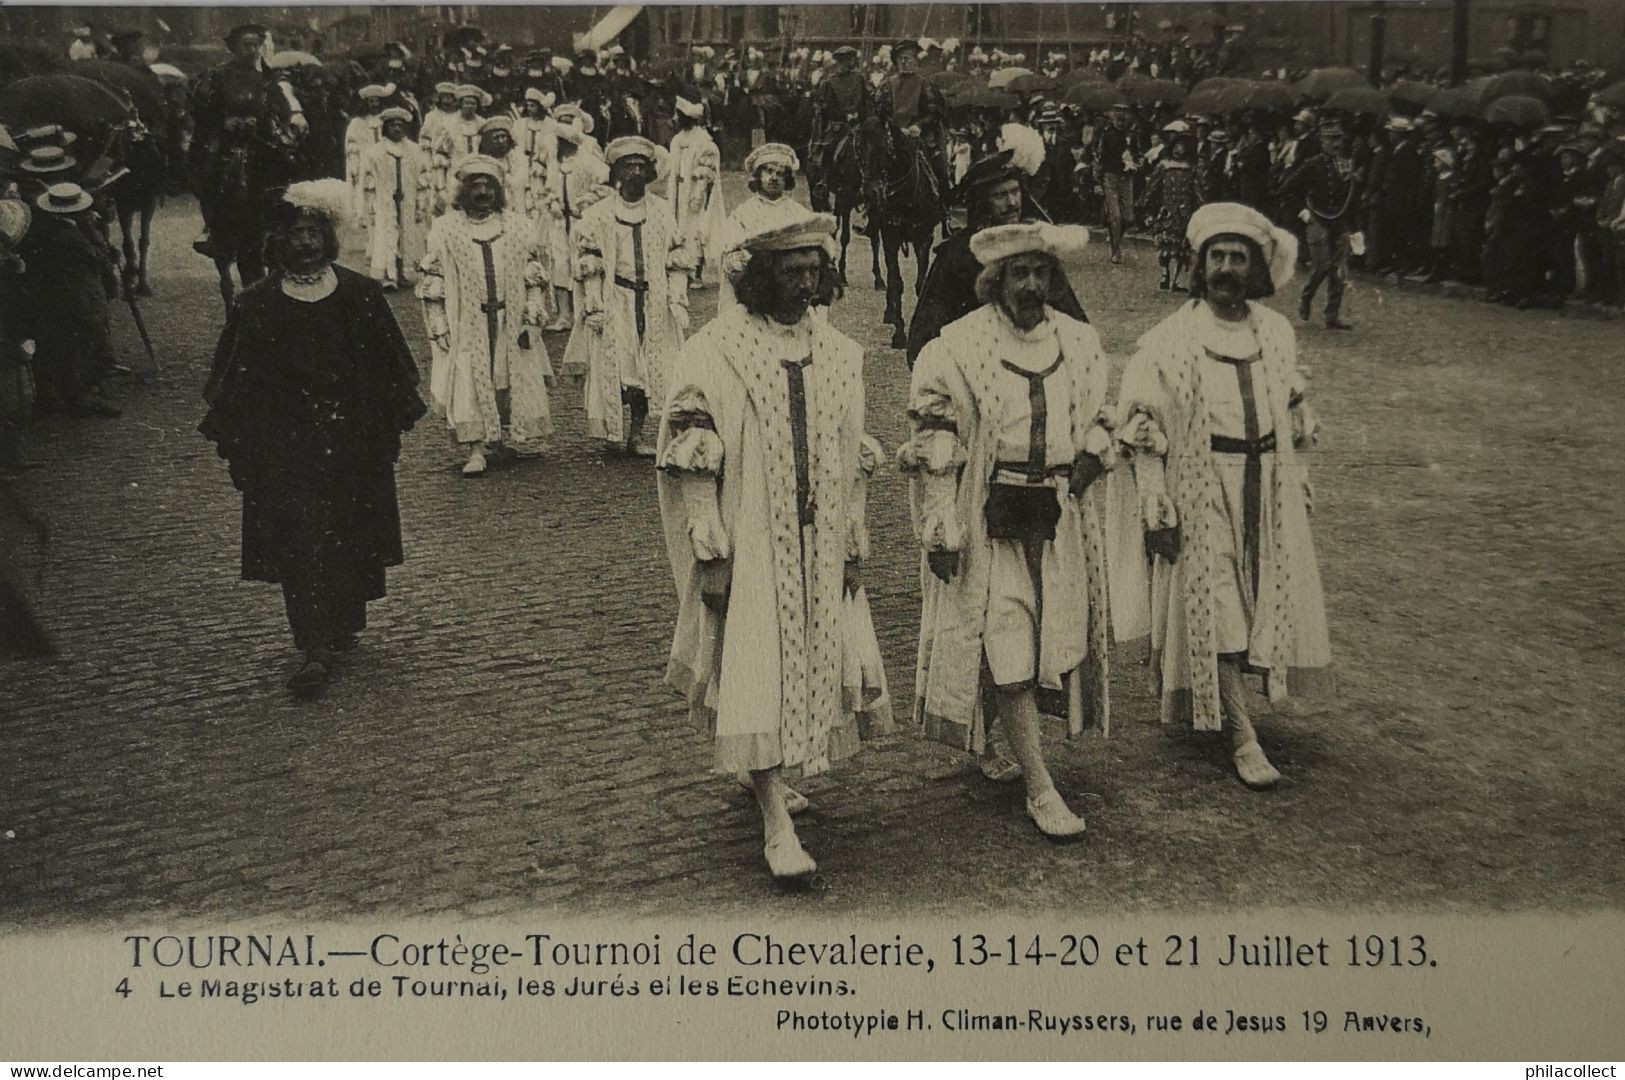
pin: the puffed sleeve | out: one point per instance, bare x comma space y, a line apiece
535, 290
1141, 438
1305, 424
679, 261
431, 289
694, 454
870, 456
935, 453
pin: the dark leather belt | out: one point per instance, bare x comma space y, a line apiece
1224, 444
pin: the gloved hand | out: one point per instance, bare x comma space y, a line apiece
716, 581
443, 342
1086, 469
1164, 542
1303, 216
594, 320
944, 564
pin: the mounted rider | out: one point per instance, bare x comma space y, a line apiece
918, 108
840, 103
247, 124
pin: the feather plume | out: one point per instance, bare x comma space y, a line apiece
329, 197
1026, 147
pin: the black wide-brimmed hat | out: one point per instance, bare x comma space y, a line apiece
989, 170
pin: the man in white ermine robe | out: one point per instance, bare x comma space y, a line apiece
398, 199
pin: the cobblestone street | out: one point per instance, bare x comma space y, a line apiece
502, 740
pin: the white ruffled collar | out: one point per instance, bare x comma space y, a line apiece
310, 292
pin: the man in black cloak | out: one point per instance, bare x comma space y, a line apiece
312, 388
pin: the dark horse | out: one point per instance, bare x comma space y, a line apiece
244, 149
905, 207
137, 149
843, 189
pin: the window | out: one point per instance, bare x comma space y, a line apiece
982, 20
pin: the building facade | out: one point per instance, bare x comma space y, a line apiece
1293, 35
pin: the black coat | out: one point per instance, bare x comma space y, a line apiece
949, 293
307, 404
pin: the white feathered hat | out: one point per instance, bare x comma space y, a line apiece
1026, 146
1279, 246
689, 108
329, 197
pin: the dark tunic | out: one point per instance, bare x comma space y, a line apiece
949, 293
66, 313
308, 402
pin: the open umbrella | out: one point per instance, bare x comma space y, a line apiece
1218, 82
1099, 98
1030, 84
142, 88
947, 80
1410, 95
1270, 96
78, 104
974, 95
1141, 90
1005, 76
1520, 83
21, 61
1516, 111
1084, 77
292, 58
1322, 83
1360, 100
1456, 101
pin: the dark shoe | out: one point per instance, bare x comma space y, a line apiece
1337, 324
1306, 306
312, 678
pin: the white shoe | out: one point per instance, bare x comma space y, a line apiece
787, 858
475, 465
794, 801
1254, 768
1053, 817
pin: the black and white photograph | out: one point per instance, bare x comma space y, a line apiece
831, 462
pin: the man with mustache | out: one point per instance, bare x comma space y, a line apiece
994, 191
482, 299
633, 264
1212, 410
763, 476
1008, 409
397, 198
312, 387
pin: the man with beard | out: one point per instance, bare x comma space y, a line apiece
762, 454
633, 265
312, 387
696, 185
1212, 409
1008, 408
482, 306
994, 192
397, 200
